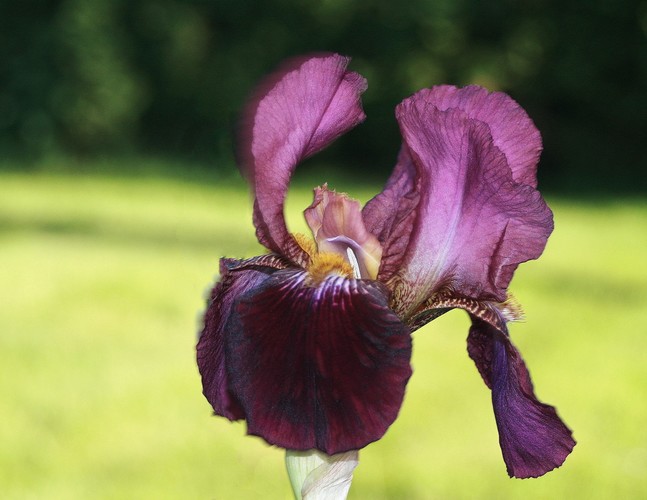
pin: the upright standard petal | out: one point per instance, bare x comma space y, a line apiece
236, 278
513, 132
533, 438
295, 113
474, 223
321, 366
391, 214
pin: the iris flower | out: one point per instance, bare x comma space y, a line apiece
310, 343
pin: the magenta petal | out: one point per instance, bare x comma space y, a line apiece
391, 214
295, 113
533, 438
475, 224
513, 132
320, 367
234, 281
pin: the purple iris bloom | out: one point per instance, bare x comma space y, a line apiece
310, 344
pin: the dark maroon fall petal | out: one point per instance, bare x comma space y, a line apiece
474, 223
296, 112
513, 132
320, 367
533, 438
236, 278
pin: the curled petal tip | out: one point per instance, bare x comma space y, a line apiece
296, 112
513, 132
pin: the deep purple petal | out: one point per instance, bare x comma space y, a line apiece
533, 438
320, 367
474, 223
236, 278
391, 214
512, 130
295, 113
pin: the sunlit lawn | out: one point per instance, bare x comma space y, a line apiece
102, 280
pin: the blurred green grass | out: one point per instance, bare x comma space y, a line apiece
102, 281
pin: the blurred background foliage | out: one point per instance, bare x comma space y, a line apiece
103, 273
166, 78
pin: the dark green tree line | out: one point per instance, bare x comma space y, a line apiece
88, 77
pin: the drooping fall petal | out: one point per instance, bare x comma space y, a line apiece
236, 278
533, 438
474, 223
321, 366
295, 113
513, 132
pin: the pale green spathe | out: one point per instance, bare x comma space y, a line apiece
317, 476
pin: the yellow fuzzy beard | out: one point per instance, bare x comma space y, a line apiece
322, 265
511, 309
307, 244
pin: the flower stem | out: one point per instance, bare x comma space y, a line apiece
317, 476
